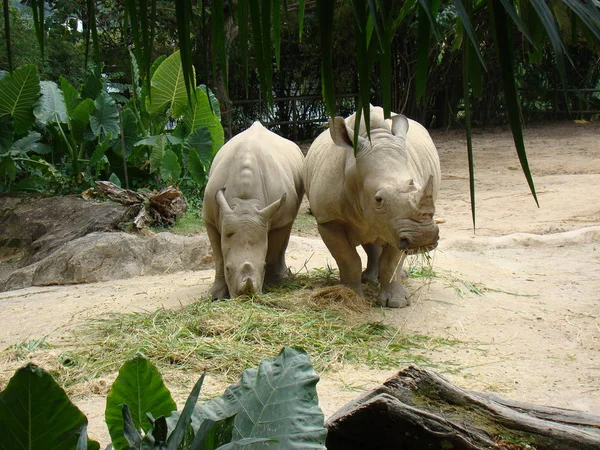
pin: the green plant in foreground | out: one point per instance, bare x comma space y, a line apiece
275, 403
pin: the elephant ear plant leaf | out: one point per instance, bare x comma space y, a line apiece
140, 386
35, 413
278, 401
18, 92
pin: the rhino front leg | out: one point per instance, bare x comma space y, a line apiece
392, 294
219, 288
276, 269
345, 254
371, 273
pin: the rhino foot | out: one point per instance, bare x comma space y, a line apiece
370, 276
395, 296
218, 291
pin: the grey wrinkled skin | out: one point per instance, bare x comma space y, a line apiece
252, 197
382, 198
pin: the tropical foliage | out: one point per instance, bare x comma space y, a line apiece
275, 404
56, 136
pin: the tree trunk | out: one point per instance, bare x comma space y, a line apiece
419, 409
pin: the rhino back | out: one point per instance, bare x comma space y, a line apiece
257, 164
324, 169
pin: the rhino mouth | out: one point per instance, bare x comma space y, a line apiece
419, 249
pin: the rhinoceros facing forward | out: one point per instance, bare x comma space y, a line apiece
252, 197
382, 199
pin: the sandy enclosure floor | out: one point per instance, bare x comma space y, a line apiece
521, 295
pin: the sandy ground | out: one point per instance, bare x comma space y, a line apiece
521, 295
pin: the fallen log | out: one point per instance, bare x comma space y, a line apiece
419, 409
150, 209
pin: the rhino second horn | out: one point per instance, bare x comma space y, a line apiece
222, 201
425, 196
268, 211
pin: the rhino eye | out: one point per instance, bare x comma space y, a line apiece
228, 235
379, 200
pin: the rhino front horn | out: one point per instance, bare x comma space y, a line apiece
425, 196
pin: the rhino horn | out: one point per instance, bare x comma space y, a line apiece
424, 200
268, 211
222, 201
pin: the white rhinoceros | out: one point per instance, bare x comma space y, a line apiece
252, 197
382, 199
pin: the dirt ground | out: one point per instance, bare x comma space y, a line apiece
521, 295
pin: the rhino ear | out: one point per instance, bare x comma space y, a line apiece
399, 125
222, 201
268, 211
339, 132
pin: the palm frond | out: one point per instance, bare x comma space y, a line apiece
183, 13
325, 18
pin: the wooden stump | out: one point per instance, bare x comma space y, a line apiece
419, 409
161, 208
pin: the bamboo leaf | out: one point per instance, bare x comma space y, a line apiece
277, 30
183, 12
301, 8
243, 39
468, 27
549, 24
325, 18
514, 15
588, 14
503, 48
6, 9
424, 35
218, 40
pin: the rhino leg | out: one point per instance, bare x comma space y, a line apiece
371, 273
392, 294
276, 269
219, 288
345, 254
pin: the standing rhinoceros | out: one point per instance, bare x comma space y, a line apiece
382, 198
252, 197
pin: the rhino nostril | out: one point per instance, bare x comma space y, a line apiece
403, 244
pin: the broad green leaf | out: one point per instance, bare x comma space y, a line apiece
8, 172
18, 93
157, 153
114, 179
196, 167
70, 94
214, 101
201, 141
80, 119
130, 132
6, 133
139, 385
99, 152
199, 114
93, 85
35, 413
50, 107
168, 87
170, 169
503, 48
30, 143
105, 117
277, 401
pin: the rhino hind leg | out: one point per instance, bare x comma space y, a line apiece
392, 293
219, 288
371, 273
276, 268
349, 263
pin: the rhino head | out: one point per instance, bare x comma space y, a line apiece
381, 180
244, 242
